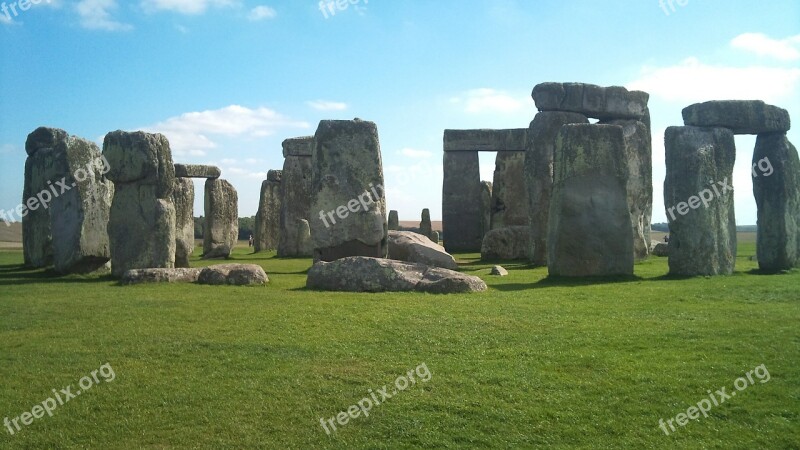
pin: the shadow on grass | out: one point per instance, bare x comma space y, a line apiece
18, 274
568, 282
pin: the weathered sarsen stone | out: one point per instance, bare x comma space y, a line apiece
68, 199
413, 247
506, 243
699, 200
394, 220
740, 116
348, 198
233, 274
141, 226
604, 103
462, 212
425, 225
539, 175
196, 171
268, 216
295, 196
590, 227
776, 186
510, 205
183, 199
221, 231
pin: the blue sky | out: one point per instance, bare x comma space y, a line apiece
227, 80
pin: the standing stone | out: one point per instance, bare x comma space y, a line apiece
221, 231
435, 236
68, 199
699, 200
539, 175
510, 205
268, 216
462, 210
183, 199
589, 223
394, 221
348, 197
141, 228
486, 208
295, 195
776, 186
425, 226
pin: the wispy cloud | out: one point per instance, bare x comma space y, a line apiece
194, 133
262, 12
96, 15
782, 49
487, 100
190, 7
324, 105
417, 154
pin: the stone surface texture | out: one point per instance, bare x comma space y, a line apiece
412, 247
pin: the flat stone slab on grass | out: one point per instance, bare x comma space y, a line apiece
197, 171
364, 274
740, 116
408, 246
138, 276
233, 274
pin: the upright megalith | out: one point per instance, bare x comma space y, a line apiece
698, 198
348, 198
295, 196
141, 227
425, 225
539, 175
268, 216
486, 207
462, 211
67, 198
589, 221
776, 186
183, 199
221, 231
394, 220
510, 204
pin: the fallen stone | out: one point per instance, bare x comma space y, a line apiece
221, 231
603, 103
177, 275
740, 116
233, 274
417, 248
197, 171
660, 249
499, 271
364, 274
506, 244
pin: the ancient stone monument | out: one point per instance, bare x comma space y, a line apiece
509, 204
268, 216
295, 196
486, 207
183, 199
67, 198
348, 199
506, 243
425, 226
141, 227
394, 221
589, 221
462, 211
221, 230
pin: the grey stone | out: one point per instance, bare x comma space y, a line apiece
462, 210
221, 231
425, 226
499, 271
660, 249
268, 216
141, 227
604, 103
741, 116
347, 191
510, 205
778, 200
485, 140
435, 237
417, 248
295, 196
394, 220
196, 171
506, 243
539, 175
183, 199
703, 240
486, 207
234, 275
363, 274
589, 223
177, 275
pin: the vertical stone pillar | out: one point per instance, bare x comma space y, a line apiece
183, 199
486, 208
425, 225
510, 205
462, 212
295, 195
221, 231
394, 220
268, 216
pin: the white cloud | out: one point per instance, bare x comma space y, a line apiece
190, 7
784, 49
262, 12
486, 100
323, 105
192, 133
96, 15
413, 153
692, 81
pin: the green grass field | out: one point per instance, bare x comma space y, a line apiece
530, 363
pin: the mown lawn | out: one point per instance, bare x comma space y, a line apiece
530, 363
